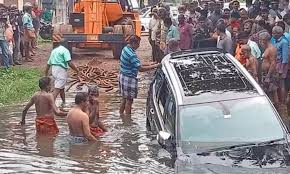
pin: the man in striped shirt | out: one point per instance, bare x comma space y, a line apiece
130, 65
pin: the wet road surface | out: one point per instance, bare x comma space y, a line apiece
126, 148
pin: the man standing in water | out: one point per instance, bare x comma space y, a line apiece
97, 127
45, 109
78, 120
60, 61
129, 67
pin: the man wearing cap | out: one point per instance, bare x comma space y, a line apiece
29, 32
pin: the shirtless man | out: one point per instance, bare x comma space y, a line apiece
78, 120
269, 80
251, 62
45, 109
97, 126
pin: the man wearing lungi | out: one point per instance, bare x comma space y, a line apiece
130, 65
45, 109
60, 61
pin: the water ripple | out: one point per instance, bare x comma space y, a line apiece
126, 148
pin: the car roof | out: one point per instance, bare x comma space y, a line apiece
208, 75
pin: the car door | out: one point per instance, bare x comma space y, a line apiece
165, 108
167, 113
159, 94
170, 115
153, 94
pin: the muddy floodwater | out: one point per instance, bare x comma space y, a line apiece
126, 148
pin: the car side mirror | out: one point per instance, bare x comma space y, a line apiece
164, 139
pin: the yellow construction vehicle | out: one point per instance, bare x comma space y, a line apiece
96, 23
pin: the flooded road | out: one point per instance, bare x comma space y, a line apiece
126, 148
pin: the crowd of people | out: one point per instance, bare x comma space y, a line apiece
18, 33
258, 37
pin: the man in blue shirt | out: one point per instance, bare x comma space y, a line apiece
281, 43
130, 65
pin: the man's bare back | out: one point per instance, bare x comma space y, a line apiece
43, 104
75, 119
45, 109
252, 67
78, 120
269, 58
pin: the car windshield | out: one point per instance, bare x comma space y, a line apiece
229, 122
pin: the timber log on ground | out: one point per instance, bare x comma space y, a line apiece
92, 74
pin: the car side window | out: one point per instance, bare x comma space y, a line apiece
162, 97
165, 100
170, 113
159, 79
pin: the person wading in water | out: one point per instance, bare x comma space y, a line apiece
130, 65
45, 109
78, 120
96, 125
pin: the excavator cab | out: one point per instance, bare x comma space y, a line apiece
101, 24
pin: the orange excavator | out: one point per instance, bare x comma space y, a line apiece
103, 24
